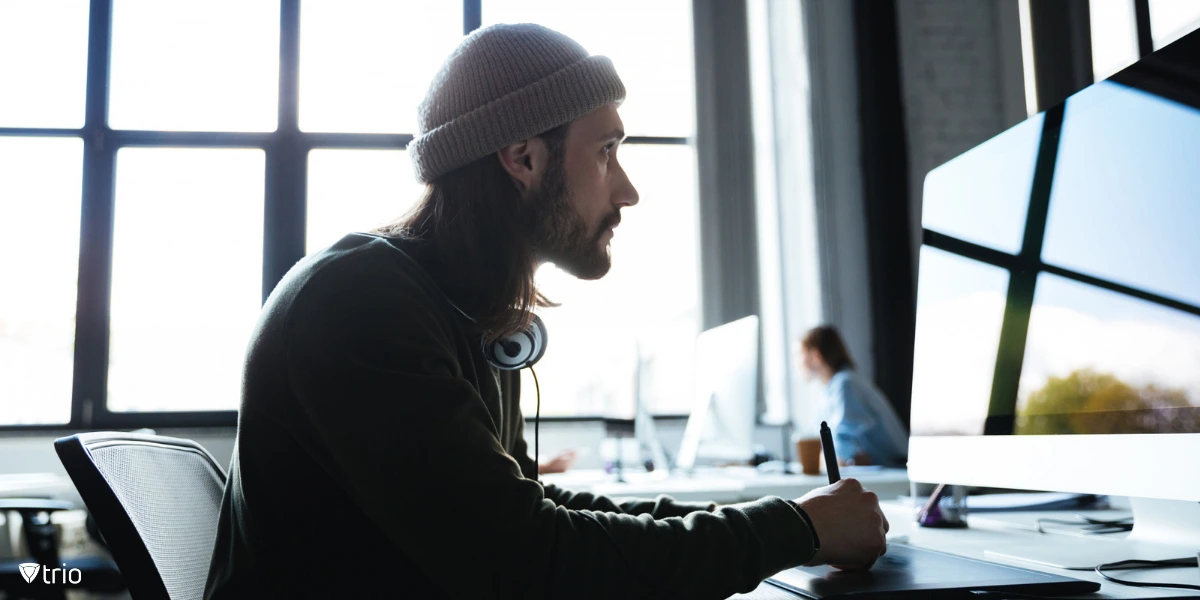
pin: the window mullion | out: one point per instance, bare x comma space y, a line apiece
286, 162
95, 228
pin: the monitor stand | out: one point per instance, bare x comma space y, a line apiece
1162, 529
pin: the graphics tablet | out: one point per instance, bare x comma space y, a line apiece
911, 572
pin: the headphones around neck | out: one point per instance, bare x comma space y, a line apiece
518, 351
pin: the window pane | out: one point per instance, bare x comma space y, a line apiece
43, 63
661, 94
651, 298
960, 307
1123, 206
1172, 19
356, 190
187, 277
1114, 36
195, 66
40, 185
983, 195
1101, 362
365, 65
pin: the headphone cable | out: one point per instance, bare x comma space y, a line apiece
537, 416
588, 516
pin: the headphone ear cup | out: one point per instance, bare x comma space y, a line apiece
518, 351
538, 330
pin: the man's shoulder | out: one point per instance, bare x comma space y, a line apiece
362, 278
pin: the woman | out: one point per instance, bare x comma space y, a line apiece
866, 429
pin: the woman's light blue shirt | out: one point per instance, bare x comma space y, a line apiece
862, 420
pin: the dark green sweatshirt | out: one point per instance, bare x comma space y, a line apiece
379, 455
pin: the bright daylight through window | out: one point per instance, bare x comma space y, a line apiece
649, 303
193, 100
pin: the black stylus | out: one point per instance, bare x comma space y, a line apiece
831, 465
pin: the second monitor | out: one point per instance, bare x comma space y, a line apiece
725, 395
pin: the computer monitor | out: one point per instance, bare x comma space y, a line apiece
1058, 312
725, 395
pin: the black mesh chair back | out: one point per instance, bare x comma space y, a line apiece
156, 501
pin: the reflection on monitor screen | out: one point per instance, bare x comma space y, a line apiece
1059, 291
1101, 362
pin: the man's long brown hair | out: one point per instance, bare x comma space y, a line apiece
473, 237
829, 344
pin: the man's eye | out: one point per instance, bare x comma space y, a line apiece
608, 148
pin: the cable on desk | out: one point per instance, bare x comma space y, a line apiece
1125, 564
1149, 564
1090, 526
1003, 594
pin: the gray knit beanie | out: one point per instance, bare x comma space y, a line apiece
503, 84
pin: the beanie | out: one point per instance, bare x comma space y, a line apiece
503, 84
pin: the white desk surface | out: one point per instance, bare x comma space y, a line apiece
726, 485
1007, 531
1011, 531
36, 484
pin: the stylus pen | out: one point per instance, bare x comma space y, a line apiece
830, 457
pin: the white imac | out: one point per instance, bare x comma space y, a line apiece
725, 395
1058, 315
649, 445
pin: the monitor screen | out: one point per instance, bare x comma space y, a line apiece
1059, 277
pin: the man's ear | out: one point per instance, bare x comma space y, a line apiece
525, 161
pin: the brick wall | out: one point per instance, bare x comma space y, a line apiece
962, 81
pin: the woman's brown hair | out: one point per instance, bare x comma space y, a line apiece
472, 231
826, 340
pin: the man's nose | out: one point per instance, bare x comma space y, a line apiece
626, 195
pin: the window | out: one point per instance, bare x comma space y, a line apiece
183, 171
187, 277
1172, 19
211, 66
661, 99
356, 190
364, 66
602, 327
1114, 36
39, 258
43, 63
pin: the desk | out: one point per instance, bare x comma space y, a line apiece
72, 523
1001, 531
725, 485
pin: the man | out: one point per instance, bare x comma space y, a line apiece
379, 451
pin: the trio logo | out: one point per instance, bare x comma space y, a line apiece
30, 572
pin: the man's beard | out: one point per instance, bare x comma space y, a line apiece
560, 235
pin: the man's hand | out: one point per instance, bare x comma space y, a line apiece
559, 464
850, 526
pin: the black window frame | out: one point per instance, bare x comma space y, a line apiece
284, 224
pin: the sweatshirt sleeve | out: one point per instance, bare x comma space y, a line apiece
411, 442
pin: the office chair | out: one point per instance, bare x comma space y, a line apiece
156, 501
